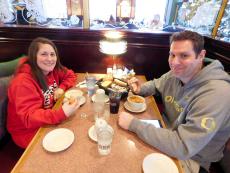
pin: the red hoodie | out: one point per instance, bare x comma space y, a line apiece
29, 107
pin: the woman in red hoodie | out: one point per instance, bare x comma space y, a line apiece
39, 81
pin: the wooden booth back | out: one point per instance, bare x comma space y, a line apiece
147, 53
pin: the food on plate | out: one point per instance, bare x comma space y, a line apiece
136, 99
106, 83
119, 82
71, 100
108, 78
73, 93
136, 102
118, 87
114, 85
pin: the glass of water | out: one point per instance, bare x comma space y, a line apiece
98, 109
90, 83
104, 141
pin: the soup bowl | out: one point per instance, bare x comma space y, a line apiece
136, 102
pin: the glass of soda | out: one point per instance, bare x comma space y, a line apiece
114, 99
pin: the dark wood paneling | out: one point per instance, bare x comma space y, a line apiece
147, 53
220, 50
79, 49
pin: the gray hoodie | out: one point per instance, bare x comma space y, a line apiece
199, 114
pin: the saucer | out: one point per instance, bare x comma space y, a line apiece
106, 98
58, 140
73, 93
156, 163
92, 133
126, 105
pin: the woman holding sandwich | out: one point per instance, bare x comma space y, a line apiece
38, 82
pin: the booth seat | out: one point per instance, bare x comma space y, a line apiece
9, 152
6, 72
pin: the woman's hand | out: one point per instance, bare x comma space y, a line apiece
134, 85
58, 93
70, 106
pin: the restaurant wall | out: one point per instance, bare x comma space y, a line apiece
147, 53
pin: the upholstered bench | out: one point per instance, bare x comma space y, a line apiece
9, 152
6, 72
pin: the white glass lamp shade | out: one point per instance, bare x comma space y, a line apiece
113, 47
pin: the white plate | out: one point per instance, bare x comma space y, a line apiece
126, 105
82, 100
92, 133
74, 93
159, 163
106, 98
58, 140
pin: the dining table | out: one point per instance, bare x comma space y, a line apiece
127, 150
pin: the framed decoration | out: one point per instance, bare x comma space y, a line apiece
223, 32
198, 15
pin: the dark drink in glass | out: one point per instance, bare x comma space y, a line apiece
114, 98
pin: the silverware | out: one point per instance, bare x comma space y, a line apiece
81, 83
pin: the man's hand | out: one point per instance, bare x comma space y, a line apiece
125, 120
58, 93
70, 106
135, 85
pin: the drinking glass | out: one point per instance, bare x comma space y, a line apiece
106, 113
98, 109
90, 83
114, 98
104, 141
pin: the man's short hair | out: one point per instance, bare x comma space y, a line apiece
196, 39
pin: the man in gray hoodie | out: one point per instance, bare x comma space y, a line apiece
196, 98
